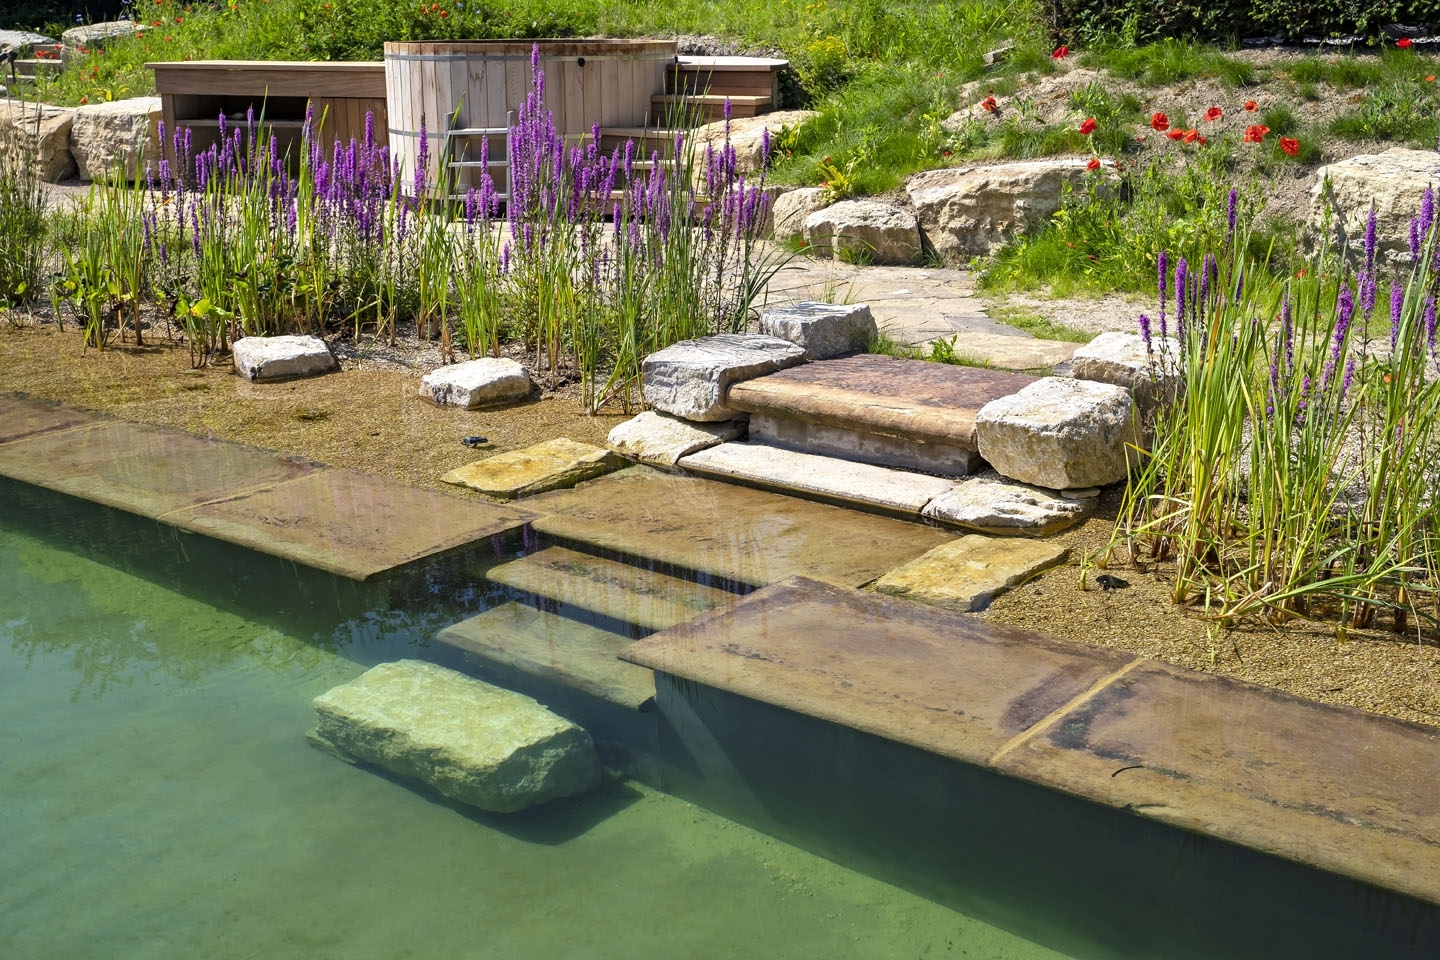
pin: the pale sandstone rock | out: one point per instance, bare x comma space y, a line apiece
966, 574
790, 209
867, 230
1059, 433
1394, 181
746, 134
1150, 374
689, 379
476, 383
281, 358
824, 330
473, 742
1007, 509
660, 439
552, 465
109, 139
92, 36
42, 132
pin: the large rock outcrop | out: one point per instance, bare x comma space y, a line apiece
689, 379
747, 135
1394, 181
1059, 433
866, 231
42, 133
109, 139
790, 210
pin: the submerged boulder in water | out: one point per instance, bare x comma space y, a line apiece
474, 742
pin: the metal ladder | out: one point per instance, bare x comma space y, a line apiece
460, 135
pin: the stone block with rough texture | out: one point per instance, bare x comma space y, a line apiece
865, 230
1059, 433
656, 438
1123, 359
476, 383
689, 379
552, 465
746, 135
790, 210
966, 574
93, 36
109, 139
473, 742
42, 133
972, 211
282, 358
824, 330
1394, 181
1007, 509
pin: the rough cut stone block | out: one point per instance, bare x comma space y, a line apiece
43, 132
1059, 433
659, 439
1007, 509
824, 330
1122, 359
866, 230
473, 742
281, 358
746, 135
92, 36
109, 139
792, 207
476, 383
551, 465
966, 574
689, 379
1394, 181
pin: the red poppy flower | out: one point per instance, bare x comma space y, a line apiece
444, 14
1094, 164
1255, 133
1160, 122
1061, 52
1251, 105
1404, 43
1214, 113
1201, 140
1175, 134
1290, 145
1192, 135
179, 19
989, 104
1430, 79
1087, 126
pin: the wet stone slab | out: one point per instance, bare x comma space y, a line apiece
143, 469
728, 531
353, 524
1331, 787
940, 681
914, 399
550, 465
22, 417
966, 574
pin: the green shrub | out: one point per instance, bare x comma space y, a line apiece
1141, 21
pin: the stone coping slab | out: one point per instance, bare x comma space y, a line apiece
143, 469
630, 594
729, 531
966, 574
660, 439
22, 417
516, 636
1009, 352
353, 524
808, 474
1333, 788
915, 399
550, 465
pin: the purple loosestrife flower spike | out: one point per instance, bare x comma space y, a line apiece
1162, 265
1427, 213
1181, 270
764, 148
1397, 304
1349, 377
1414, 238
1370, 241
1429, 321
1145, 333
1368, 288
1337, 338
1230, 213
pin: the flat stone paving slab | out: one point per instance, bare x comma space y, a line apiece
729, 531
944, 682
620, 591
807, 474
550, 465
22, 417
516, 636
1332, 787
658, 438
143, 469
353, 524
915, 399
966, 574
1009, 352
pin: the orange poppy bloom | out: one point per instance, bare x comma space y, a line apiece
1290, 145
988, 104
1255, 133
1175, 134
1214, 113
1094, 164
1160, 122
1192, 135
1251, 105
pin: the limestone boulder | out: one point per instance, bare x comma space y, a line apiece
689, 379
42, 132
281, 358
967, 573
747, 135
1007, 509
110, 139
790, 210
657, 438
1394, 181
1150, 372
972, 211
473, 742
865, 230
94, 36
21, 39
552, 465
476, 383
1059, 433
823, 330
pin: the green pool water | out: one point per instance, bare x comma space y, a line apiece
160, 800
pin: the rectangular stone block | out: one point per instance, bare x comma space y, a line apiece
690, 379
824, 330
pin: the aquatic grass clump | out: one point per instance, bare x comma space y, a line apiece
22, 218
1294, 473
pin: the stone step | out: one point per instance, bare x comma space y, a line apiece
890, 412
610, 588
517, 638
812, 475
